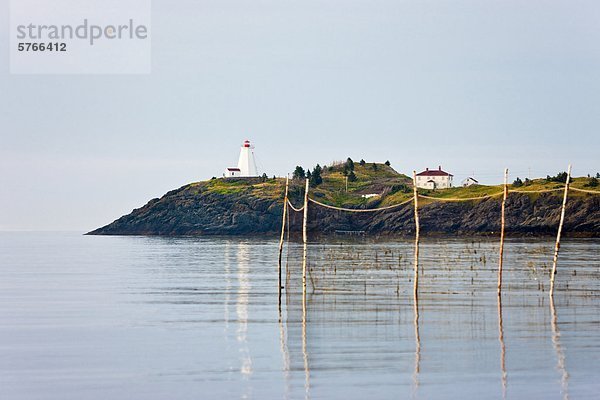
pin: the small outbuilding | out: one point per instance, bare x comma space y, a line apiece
232, 173
470, 182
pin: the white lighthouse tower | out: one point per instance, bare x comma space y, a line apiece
246, 164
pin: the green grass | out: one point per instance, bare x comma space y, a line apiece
383, 180
463, 192
227, 186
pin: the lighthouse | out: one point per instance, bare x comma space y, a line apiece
246, 163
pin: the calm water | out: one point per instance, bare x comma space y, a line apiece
190, 318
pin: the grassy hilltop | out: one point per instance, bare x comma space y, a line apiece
391, 187
254, 205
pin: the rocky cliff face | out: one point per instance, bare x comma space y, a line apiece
186, 211
200, 209
525, 215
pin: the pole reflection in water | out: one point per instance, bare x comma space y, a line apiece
417, 345
227, 296
284, 351
304, 350
243, 261
361, 330
502, 347
560, 355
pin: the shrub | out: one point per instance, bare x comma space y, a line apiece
352, 176
388, 163
401, 188
561, 177
518, 182
592, 182
362, 163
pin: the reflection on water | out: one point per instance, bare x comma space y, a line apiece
417, 344
560, 355
243, 263
153, 318
502, 347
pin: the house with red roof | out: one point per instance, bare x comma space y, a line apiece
434, 179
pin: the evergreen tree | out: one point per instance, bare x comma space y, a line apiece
308, 174
592, 182
315, 178
388, 163
374, 166
350, 164
362, 163
351, 177
299, 173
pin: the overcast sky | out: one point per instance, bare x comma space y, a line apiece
475, 86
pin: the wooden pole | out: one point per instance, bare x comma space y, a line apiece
304, 234
417, 232
560, 226
502, 232
285, 205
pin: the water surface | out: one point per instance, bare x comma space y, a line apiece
154, 318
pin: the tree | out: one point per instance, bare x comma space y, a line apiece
315, 178
351, 177
362, 163
299, 173
527, 182
388, 163
374, 166
561, 177
597, 175
518, 182
264, 177
350, 164
592, 182
308, 174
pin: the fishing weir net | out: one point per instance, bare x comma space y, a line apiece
354, 261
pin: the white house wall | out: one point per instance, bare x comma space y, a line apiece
441, 182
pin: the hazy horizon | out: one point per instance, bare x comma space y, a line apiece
473, 86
